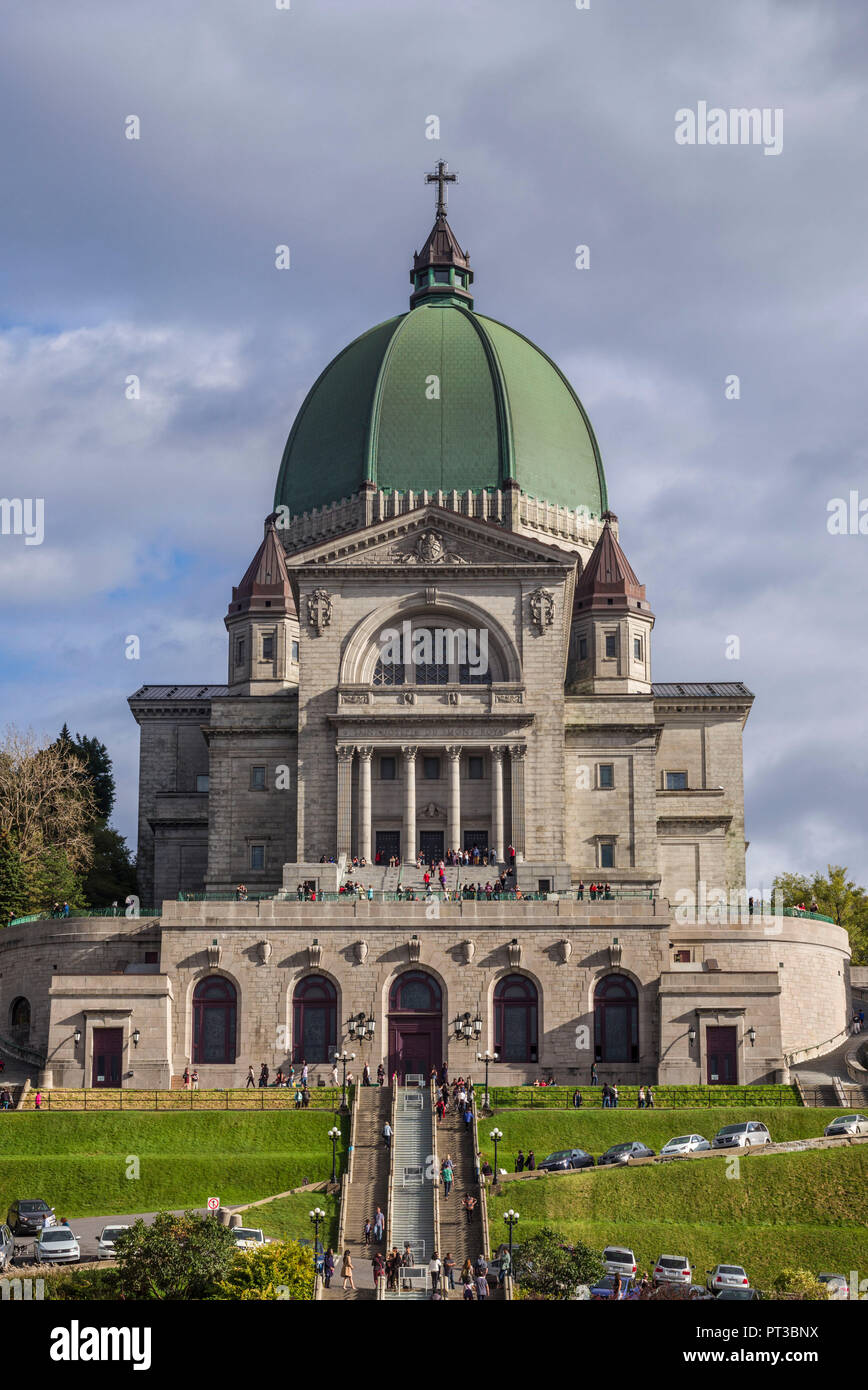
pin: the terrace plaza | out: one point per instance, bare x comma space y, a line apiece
441, 474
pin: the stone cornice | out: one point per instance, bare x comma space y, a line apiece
407, 728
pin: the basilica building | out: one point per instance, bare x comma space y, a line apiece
439, 650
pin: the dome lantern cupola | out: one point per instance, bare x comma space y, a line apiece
441, 270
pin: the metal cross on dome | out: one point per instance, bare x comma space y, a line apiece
441, 177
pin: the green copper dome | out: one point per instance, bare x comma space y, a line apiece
441, 399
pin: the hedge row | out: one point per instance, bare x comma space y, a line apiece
665, 1097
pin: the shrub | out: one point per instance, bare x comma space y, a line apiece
800, 1283
281, 1270
547, 1269
176, 1258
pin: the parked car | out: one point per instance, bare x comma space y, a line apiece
847, 1124
57, 1246
625, 1153
726, 1277
742, 1136
619, 1260
7, 1246
27, 1217
105, 1246
605, 1288
246, 1237
672, 1269
684, 1144
752, 1295
838, 1290
564, 1159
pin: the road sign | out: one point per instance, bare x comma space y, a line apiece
213, 1203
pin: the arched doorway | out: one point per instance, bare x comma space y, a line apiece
415, 1025
214, 1014
314, 1020
616, 1020
19, 1020
515, 1019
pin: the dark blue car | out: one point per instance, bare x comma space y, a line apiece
564, 1159
606, 1287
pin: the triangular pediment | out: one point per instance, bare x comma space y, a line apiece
432, 538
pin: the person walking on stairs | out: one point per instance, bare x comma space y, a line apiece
434, 1268
347, 1270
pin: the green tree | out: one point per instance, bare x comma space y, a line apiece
838, 897
545, 1268
282, 1270
176, 1258
112, 875
800, 1282
13, 881
52, 879
98, 767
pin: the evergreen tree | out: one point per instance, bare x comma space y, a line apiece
112, 874
13, 881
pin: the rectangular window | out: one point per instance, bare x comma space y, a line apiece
388, 769
239, 652
203, 781
682, 957
475, 768
152, 958
611, 644
637, 648
676, 781
431, 769
257, 779
268, 647
607, 854
606, 775
257, 856
295, 651
583, 649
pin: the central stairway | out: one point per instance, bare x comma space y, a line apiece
412, 1188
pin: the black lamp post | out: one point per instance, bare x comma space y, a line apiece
511, 1218
487, 1058
334, 1135
495, 1136
361, 1027
316, 1216
343, 1058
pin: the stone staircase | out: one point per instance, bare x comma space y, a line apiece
367, 1190
458, 1236
412, 1191
456, 876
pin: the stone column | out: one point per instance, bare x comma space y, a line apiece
453, 819
365, 755
409, 854
345, 799
497, 752
517, 755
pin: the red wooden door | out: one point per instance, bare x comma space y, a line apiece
108, 1053
721, 1049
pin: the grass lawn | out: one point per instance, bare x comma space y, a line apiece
808, 1209
594, 1130
289, 1218
80, 1163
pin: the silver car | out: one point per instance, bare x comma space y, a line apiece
7, 1246
247, 1237
619, 1260
105, 1248
672, 1269
837, 1288
726, 1277
847, 1124
742, 1136
58, 1246
685, 1144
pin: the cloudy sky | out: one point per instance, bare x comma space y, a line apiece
263, 126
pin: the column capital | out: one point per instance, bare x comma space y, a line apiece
345, 752
410, 750
365, 752
454, 750
498, 750
518, 751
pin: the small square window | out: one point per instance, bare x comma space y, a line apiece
611, 644
295, 651
475, 768
583, 649
257, 856
257, 779
431, 769
606, 775
268, 647
637, 648
388, 769
607, 854
676, 781
203, 781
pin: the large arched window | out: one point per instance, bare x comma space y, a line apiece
616, 1020
19, 1020
515, 1019
214, 1015
314, 1019
415, 992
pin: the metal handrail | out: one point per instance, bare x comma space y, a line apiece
390, 1189
436, 1175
